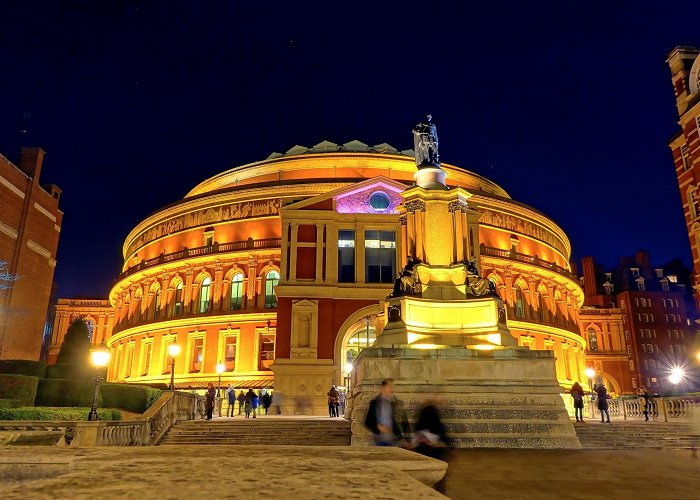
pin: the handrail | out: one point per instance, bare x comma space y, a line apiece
216, 248
668, 409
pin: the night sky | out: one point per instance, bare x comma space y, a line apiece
567, 105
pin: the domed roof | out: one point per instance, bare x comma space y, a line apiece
354, 146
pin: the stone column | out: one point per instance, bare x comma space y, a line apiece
360, 254
403, 235
411, 232
293, 253
331, 253
284, 249
250, 278
319, 253
217, 295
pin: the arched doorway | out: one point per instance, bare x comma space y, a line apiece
357, 332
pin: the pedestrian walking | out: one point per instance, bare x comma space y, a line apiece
645, 402
577, 393
333, 396
266, 401
603, 397
248, 404
209, 400
382, 417
231, 395
255, 400
241, 401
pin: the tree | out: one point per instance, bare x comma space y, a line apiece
75, 350
6, 278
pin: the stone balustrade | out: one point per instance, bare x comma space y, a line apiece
629, 408
170, 408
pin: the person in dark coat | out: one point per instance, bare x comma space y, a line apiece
646, 402
248, 407
577, 393
241, 401
266, 402
231, 395
255, 400
382, 417
431, 437
333, 399
602, 401
209, 401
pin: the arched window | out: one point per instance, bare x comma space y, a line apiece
519, 302
204, 295
272, 278
237, 291
178, 304
592, 340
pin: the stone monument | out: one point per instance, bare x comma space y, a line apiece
446, 336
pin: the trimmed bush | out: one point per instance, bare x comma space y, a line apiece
23, 367
68, 371
10, 403
31, 413
22, 387
75, 392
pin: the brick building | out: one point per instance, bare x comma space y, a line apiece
30, 224
685, 145
657, 316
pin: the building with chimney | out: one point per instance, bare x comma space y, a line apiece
657, 317
30, 225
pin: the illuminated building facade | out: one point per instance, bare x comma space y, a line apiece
97, 314
684, 63
30, 224
282, 266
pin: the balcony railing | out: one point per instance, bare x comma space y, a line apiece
529, 259
216, 248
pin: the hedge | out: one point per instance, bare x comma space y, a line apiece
23, 367
74, 392
22, 387
69, 371
31, 413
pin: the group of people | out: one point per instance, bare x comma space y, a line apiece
602, 396
249, 403
336, 402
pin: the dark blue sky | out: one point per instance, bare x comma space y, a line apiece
567, 105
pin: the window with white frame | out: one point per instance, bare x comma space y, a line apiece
205, 295
635, 272
685, 157
640, 284
236, 298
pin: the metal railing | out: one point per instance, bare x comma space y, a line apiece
170, 408
216, 248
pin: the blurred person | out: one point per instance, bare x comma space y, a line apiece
209, 400
382, 417
241, 401
645, 400
231, 395
341, 401
333, 396
255, 402
577, 393
248, 405
430, 437
602, 401
266, 401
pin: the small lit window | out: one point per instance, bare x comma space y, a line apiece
379, 201
685, 157
635, 272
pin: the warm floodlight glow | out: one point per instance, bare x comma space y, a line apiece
425, 346
220, 368
590, 372
698, 355
676, 376
173, 349
99, 356
485, 347
348, 367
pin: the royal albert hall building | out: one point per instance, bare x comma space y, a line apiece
280, 268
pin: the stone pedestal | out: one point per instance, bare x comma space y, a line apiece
500, 398
302, 385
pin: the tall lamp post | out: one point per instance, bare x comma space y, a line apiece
348, 370
99, 357
219, 369
173, 351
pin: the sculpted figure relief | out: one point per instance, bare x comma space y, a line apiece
425, 144
408, 282
475, 284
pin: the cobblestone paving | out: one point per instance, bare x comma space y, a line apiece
573, 474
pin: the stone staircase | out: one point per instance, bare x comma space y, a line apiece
636, 434
261, 431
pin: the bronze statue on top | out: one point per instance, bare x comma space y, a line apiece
407, 282
425, 144
475, 284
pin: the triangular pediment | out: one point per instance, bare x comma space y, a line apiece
355, 193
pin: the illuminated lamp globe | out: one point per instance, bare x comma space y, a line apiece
676, 375
590, 372
173, 349
220, 368
348, 367
99, 356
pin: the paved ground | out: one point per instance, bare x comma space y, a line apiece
573, 474
360, 473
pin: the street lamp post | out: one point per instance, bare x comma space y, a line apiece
219, 369
590, 373
173, 351
348, 370
99, 356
